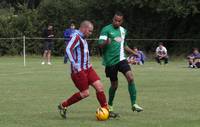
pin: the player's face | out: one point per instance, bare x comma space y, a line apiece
88, 31
160, 46
117, 21
196, 52
72, 26
135, 49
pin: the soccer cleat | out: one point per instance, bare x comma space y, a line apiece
62, 111
43, 63
113, 114
49, 63
137, 108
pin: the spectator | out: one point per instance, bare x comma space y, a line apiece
67, 35
48, 44
137, 58
194, 59
161, 54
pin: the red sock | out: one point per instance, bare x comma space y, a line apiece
73, 99
102, 99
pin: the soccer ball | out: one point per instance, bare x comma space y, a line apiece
102, 114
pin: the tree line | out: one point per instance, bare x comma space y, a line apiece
143, 19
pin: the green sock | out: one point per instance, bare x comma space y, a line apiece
132, 92
111, 95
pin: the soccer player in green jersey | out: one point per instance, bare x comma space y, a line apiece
112, 41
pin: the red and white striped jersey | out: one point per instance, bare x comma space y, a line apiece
78, 52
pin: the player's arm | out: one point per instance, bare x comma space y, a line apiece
72, 44
103, 38
129, 50
126, 47
157, 52
165, 52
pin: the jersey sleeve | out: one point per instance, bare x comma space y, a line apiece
73, 43
165, 50
103, 35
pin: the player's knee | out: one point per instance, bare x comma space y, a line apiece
98, 86
85, 93
130, 79
100, 89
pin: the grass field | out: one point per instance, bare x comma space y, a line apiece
170, 95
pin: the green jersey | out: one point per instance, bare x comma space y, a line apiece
113, 53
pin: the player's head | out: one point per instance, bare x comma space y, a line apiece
135, 49
195, 50
50, 26
86, 28
160, 45
72, 24
117, 19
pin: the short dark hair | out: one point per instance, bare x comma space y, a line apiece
71, 22
118, 13
161, 43
195, 49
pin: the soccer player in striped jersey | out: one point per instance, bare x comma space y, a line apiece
82, 72
112, 41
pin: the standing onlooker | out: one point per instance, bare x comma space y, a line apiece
48, 44
161, 54
67, 35
194, 59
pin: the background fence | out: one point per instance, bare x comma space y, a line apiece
34, 46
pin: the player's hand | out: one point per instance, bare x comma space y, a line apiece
76, 66
51, 35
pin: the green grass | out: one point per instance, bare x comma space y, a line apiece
170, 95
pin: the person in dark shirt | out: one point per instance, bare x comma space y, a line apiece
48, 44
67, 35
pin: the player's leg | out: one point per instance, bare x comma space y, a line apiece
81, 82
166, 60
98, 86
111, 72
196, 63
65, 59
158, 59
49, 57
50, 47
71, 100
126, 70
94, 80
44, 57
45, 52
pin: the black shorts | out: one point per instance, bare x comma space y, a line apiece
112, 71
48, 45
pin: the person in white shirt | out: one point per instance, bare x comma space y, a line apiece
161, 54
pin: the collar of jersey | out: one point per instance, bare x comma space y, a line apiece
80, 33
